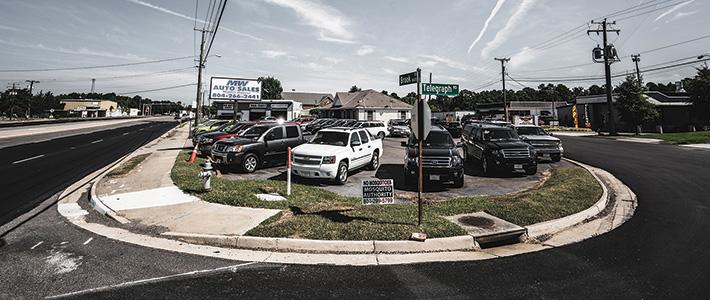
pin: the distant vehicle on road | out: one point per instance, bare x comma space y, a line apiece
333, 152
398, 127
441, 161
546, 145
498, 148
376, 128
263, 144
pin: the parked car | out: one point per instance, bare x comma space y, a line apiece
333, 152
318, 125
398, 127
222, 127
498, 148
207, 139
453, 127
262, 144
441, 161
210, 125
376, 128
546, 145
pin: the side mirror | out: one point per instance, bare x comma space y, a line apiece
355, 143
403, 143
459, 145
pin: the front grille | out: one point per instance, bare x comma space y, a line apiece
543, 143
516, 153
307, 159
220, 147
436, 162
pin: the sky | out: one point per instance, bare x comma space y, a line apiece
328, 46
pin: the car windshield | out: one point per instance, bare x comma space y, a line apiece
435, 139
254, 132
530, 131
330, 138
499, 134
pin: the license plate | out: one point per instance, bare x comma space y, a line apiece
517, 166
434, 177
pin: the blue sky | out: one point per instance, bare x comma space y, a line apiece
327, 46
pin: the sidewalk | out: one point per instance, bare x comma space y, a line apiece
147, 195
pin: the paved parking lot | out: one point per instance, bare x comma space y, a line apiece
391, 167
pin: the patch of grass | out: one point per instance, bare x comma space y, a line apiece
698, 137
315, 213
128, 165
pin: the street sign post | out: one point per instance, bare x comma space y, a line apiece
409, 78
439, 89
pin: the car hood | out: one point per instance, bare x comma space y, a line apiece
318, 150
539, 138
211, 135
496, 145
238, 141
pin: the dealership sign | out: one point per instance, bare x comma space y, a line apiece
378, 191
223, 88
438, 89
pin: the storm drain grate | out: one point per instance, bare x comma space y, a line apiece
474, 221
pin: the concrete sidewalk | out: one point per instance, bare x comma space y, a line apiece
147, 196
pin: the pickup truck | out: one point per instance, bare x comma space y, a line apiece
333, 152
498, 148
546, 145
441, 161
263, 144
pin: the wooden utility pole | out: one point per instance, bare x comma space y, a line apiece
29, 100
636, 59
200, 66
607, 69
420, 137
505, 97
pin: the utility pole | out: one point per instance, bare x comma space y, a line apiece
607, 69
93, 84
420, 131
505, 97
13, 95
636, 59
200, 66
29, 101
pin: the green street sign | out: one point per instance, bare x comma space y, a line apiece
439, 89
409, 78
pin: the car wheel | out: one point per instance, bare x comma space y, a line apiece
250, 162
531, 171
458, 183
381, 135
556, 158
375, 161
342, 176
484, 166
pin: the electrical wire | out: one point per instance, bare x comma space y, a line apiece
214, 31
158, 89
97, 67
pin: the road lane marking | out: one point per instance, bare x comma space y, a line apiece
232, 268
35, 246
27, 159
125, 133
97, 141
88, 241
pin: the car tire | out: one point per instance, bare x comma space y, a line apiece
374, 161
556, 158
342, 176
531, 171
250, 163
485, 166
458, 183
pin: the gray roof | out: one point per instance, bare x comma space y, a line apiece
306, 98
662, 99
367, 99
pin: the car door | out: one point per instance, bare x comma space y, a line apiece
275, 152
367, 144
477, 149
293, 137
358, 151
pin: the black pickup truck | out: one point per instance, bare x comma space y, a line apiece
258, 146
498, 148
441, 161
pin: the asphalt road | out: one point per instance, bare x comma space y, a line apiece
662, 252
33, 172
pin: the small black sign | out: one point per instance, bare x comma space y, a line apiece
377, 191
409, 78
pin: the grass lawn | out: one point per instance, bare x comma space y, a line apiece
698, 137
314, 213
128, 165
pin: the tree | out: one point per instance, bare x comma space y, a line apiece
270, 88
633, 108
698, 89
394, 95
596, 90
385, 92
354, 89
411, 98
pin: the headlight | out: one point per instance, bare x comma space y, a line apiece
411, 160
235, 148
499, 152
456, 160
328, 160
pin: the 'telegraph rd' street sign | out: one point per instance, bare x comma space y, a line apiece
438, 89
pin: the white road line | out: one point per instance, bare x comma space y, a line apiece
35, 246
125, 133
27, 159
232, 268
88, 241
97, 141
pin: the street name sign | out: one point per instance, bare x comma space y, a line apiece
421, 113
377, 191
409, 78
438, 89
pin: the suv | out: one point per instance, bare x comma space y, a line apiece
376, 128
454, 127
333, 152
398, 127
498, 148
207, 139
257, 146
440, 158
546, 145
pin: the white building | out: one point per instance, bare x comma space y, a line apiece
367, 105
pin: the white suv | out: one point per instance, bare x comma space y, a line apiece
375, 128
333, 152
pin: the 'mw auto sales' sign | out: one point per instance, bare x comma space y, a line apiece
223, 88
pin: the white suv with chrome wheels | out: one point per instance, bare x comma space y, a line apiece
333, 152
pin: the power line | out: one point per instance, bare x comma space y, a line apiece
97, 67
650, 11
158, 89
108, 78
214, 31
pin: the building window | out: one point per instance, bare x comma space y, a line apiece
402, 114
370, 115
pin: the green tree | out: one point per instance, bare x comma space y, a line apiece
354, 89
411, 98
270, 88
633, 108
698, 89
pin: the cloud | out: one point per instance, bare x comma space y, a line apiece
389, 71
507, 30
333, 60
495, 10
273, 53
524, 56
679, 15
80, 51
448, 62
331, 23
397, 59
9, 28
674, 8
365, 50
170, 12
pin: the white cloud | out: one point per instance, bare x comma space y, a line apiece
674, 8
397, 59
9, 28
170, 12
365, 50
389, 71
526, 55
325, 38
333, 60
679, 15
448, 62
273, 53
507, 30
80, 51
331, 23
495, 10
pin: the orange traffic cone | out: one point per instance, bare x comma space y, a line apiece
193, 155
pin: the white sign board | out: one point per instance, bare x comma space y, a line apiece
425, 116
223, 88
377, 191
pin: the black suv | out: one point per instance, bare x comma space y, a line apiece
498, 148
441, 161
454, 128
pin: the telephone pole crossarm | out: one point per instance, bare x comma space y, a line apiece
505, 100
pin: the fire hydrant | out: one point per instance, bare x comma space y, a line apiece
206, 176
